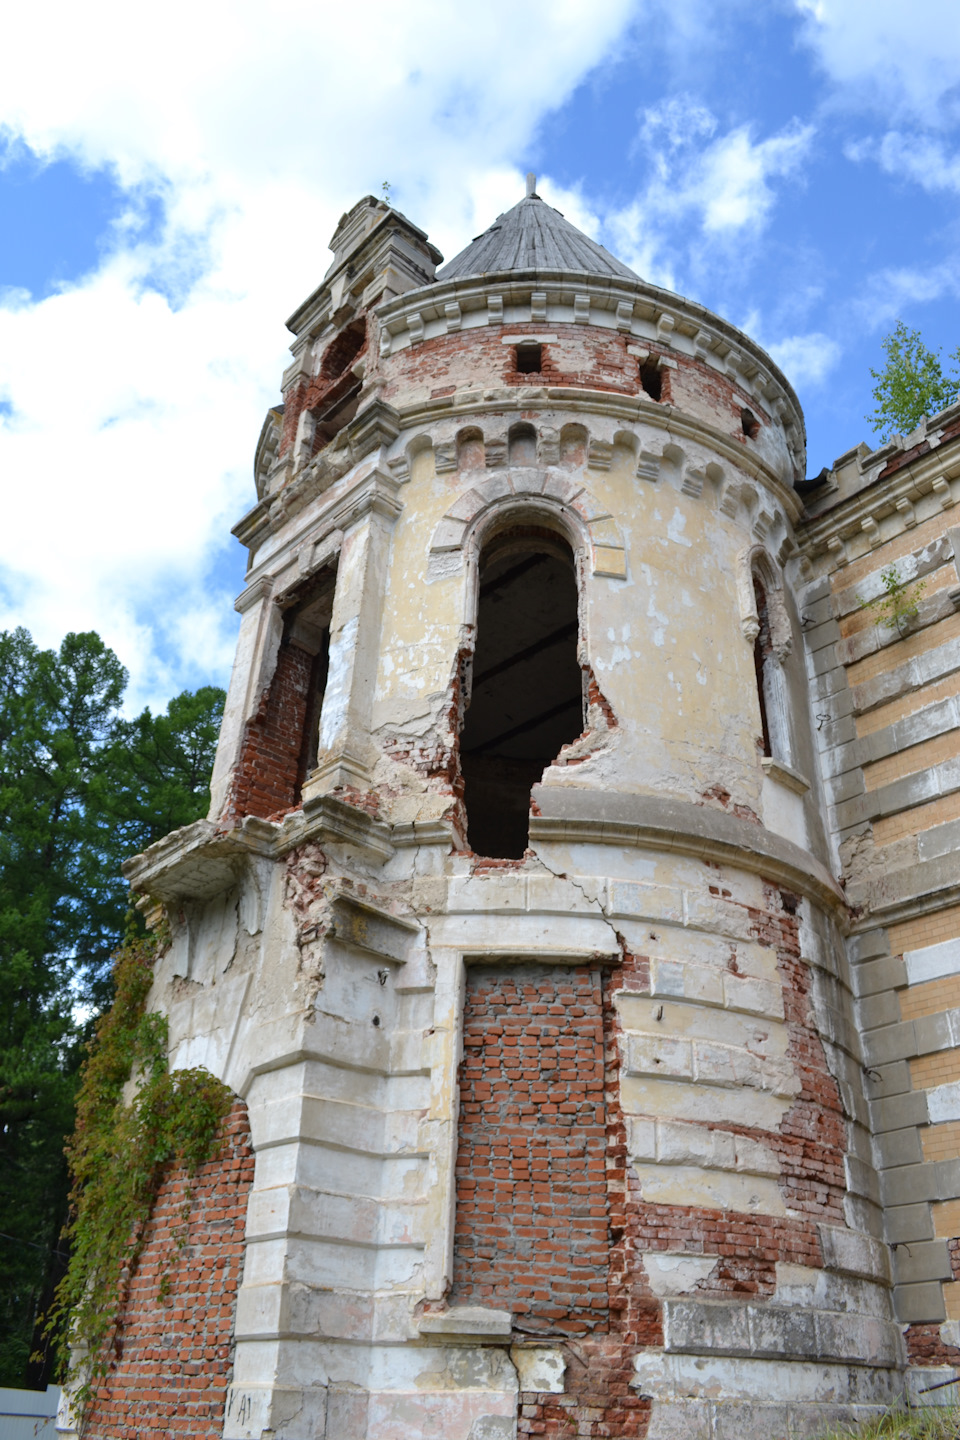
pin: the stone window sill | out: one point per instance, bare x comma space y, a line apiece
785, 775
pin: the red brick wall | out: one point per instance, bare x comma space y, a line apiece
267, 778
551, 1223
173, 1356
582, 355
542, 1224
531, 1190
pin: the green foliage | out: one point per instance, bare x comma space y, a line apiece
80, 789
911, 384
119, 1154
899, 603
942, 1423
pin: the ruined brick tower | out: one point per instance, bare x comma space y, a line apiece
582, 1097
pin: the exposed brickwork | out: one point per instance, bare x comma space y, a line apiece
542, 1221
941, 1142
268, 773
548, 1231
891, 657
909, 704
945, 578
174, 1355
925, 930
941, 1067
924, 1343
812, 1141
581, 356
895, 548
333, 382
915, 820
531, 1188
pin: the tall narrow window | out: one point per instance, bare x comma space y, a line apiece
651, 378
307, 631
774, 721
527, 693
762, 655
279, 745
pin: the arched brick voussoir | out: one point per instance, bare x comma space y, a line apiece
608, 556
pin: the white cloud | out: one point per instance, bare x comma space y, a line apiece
922, 158
721, 183
137, 394
806, 360
892, 291
899, 58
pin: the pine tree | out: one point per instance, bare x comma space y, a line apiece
80, 789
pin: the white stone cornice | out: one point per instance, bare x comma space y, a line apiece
678, 424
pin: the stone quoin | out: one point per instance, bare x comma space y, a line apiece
578, 914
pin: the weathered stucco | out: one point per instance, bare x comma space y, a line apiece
321, 952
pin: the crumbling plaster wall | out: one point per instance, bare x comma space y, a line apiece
320, 961
328, 989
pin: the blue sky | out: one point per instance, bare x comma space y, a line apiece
794, 165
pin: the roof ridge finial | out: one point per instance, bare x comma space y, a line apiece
532, 186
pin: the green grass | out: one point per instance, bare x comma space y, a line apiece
927, 1424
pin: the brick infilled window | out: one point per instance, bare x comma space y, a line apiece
532, 1229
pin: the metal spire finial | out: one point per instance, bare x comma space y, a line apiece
531, 185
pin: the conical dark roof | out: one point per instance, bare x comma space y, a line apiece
533, 236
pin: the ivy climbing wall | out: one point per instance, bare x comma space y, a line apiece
173, 1352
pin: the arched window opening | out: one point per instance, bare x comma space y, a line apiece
308, 628
651, 378
470, 451
342, 351
523, 445
749, 424
339, 387
278, 749
774, 725
527, 692
573, 446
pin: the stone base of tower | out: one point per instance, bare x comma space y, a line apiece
568, 1147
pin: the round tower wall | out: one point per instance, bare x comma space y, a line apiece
574, 1136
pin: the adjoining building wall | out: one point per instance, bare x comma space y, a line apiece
614, 1137
886, 694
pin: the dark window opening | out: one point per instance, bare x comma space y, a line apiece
529, 359
307, 630
342, 352
527, 692
762, 656
651, 379
750, 424
338, 410
278, 749
309, 750
339, 386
